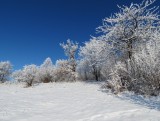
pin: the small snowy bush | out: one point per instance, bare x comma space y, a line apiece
27, 74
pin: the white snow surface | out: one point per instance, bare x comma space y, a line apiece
72, 102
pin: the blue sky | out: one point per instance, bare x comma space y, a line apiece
31, 30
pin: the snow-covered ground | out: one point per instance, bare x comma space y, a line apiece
71, 102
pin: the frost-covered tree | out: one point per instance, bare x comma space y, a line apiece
63, 72
84, 70
95, 53
134, 36
5, 70
70, 49
46, 71
131, 27
27, 74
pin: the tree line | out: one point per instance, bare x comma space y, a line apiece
126, 55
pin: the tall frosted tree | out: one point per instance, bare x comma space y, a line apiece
70, 49
134, 35
131, 27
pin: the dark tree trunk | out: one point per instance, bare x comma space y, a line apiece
95, 73
130, 49
97, 78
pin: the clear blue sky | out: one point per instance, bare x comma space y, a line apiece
31, 30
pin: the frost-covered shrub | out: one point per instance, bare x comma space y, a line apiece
17, 76
140, 75
46, 71
146, 70
27, 74
118, 78
63, 72
5, 71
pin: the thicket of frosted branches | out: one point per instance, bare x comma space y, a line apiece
134, 34
126, 55
63, 70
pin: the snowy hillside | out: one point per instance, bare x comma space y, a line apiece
69, 102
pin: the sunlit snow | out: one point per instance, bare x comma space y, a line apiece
70, 102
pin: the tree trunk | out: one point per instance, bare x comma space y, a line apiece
95, 73
130, 49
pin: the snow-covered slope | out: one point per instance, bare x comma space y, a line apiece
69, 102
